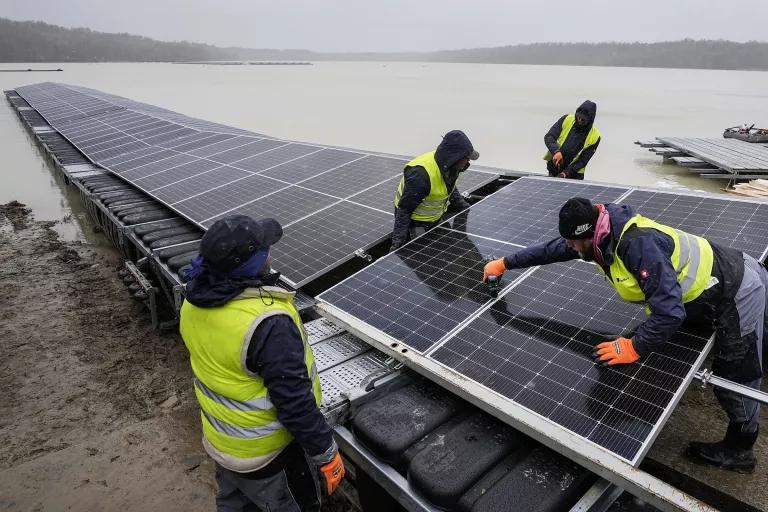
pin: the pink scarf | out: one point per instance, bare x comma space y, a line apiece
602, 230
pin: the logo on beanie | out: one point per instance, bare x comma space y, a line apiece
582, 228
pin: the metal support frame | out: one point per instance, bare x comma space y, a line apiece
150, 290
384, 474
707, 377
598, 498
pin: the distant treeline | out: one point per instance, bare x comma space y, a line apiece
31, 41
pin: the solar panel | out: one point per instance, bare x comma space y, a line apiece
205, 170
285, 205
197, 184
534, 346
312, 164
424, 290
228, 197
357, 175
732, 223
323, 239
525, 211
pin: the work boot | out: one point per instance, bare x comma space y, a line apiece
734, 452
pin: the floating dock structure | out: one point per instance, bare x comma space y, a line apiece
547, 443
728, 159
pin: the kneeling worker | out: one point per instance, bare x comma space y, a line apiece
571, 143
677, 275
428, 187
255, 375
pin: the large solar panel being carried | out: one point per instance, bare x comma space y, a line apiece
531, 348
330, 201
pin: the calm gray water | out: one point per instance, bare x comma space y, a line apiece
404, 108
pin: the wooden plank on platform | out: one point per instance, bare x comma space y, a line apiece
690, 162
731, 155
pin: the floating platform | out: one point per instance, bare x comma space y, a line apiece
729, 159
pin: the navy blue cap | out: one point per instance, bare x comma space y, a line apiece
233, 240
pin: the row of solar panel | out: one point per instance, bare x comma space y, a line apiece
205, 175
534, 345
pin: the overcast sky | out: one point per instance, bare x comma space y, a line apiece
403, 25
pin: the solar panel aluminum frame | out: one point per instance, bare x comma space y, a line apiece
604, 463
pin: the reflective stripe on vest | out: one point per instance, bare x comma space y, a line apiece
432, 207
592, 137
239, 420
692, 259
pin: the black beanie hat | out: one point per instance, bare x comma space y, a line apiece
577, 219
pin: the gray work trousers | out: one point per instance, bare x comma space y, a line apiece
750, 305
287, 484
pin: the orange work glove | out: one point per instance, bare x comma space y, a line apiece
494, 268
618, 351
332, 473
557, 159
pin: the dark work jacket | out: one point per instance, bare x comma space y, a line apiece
417, 187
648, 250
276, 353
573, 143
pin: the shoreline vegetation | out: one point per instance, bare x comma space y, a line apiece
35, 41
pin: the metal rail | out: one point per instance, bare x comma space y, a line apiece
707, 377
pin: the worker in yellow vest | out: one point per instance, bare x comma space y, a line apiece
255, 376
571, 143
678, 276
428, 187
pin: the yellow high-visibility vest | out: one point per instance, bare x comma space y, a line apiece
692, 259
435, 204
241, 430
592, 137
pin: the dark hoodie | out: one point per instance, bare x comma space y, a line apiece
573, 143
454, 147
647, 254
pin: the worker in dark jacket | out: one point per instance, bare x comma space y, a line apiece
571, 142
428, 187
678, 276
255, 375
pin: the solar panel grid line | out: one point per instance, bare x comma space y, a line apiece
112, 143
230, 143
190, 186
220, 166
426, 288
285, 205
196, 140
315, 250
506, 289
726, 214
258, 174
586, 349
158, 166
190, 170
574, 388
196, 136
108, 152
169, 135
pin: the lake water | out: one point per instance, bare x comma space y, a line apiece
404, 108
